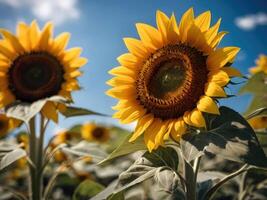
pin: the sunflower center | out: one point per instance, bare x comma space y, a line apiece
172, 80
3, 125
35, 76
98, 133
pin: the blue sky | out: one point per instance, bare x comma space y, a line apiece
99, 26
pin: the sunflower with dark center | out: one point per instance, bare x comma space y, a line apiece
171, 76
7, 125
34, 66
94, 133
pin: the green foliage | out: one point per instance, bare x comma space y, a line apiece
11, 157
26, 111
255, 85
126, 148
231, 137
86, 149
87, 189
163, 157
75, 111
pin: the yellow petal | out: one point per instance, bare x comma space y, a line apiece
150, 36
60, 43
121, 80
173, 31
77, 63
71, 54
73, 74
162, 23
131, 114
70, 85
220, 57
50, 112
142, 124
217, 39
150, 134
232, 72
136, 47
219, 77
6, 98
13, 40
197, 118
212, 32
128, 60
45, 36
122, 71
23, 33
206, 104
179, 129
203, 21
34, 35
124, 92
185, 23
164, 129
214, 90
7, 52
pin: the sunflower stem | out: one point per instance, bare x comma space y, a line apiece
36, 156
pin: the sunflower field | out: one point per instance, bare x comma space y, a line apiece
181, 114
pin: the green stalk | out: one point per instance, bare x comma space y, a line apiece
36, 156
191, 178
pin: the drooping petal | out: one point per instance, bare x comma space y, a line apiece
219, 77
50, 112
206, 104
214, 90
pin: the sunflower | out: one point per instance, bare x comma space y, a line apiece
261, 65
34, 66
258, 122
93, 132
171, 76
7, 124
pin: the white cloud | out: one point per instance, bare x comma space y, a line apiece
58, 11
249, 22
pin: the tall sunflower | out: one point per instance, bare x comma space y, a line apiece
171, 76
7, 124
34, 66
93, 132
261, 65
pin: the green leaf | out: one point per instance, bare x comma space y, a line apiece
261, 112
257, 102
126, 148
167, 179
255, 85
26, 111
86, 190
11, 157
104, 194
75, 111
85, 148
117, 196
231, 137
163, 157
189, 150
